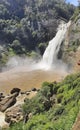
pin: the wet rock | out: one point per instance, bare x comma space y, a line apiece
28, 93
1, 96
23, 93
15, 90
34, 89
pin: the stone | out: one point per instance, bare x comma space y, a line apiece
14, 114
7, 102
34, 89
1, 96
23, 93
14, 90
3, 124
28, 93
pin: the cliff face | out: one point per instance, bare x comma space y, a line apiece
75, 31
72, 42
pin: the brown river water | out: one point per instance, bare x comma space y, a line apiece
25, 80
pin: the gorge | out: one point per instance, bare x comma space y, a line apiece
39, 65
26, 73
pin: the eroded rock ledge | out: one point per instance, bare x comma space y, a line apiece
11, 105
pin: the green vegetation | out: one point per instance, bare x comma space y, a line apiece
27, 23
74, 44
76, 16
55, 107
74, 31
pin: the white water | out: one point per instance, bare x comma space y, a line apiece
14, 78
49, 59
50, 55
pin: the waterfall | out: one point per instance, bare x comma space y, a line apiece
50, 55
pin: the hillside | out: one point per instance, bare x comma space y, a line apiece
26, 26
55, 106
29, 24
57, 103
71, 53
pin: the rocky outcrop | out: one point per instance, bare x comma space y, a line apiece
8, 102
15, 90
11, 106
3, 123
14, 114
71, 52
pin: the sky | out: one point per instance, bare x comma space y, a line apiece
75, 2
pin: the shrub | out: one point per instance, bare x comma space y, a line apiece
59, 98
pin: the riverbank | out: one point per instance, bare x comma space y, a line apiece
21, 78
11, 106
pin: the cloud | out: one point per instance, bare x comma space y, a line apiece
74, 2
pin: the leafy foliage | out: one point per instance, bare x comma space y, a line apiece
31, 22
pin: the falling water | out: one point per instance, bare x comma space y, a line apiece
51, 52
27, 74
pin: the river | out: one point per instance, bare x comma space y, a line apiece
25, 80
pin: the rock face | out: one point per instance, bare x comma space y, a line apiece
7, 102
14, 114
11, 106
71, 52
2, 121
75, 31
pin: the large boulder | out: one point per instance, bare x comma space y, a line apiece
7, 102
15, 90
34, 89
1, 96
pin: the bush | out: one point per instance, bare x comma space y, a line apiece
59, 98
39, 122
